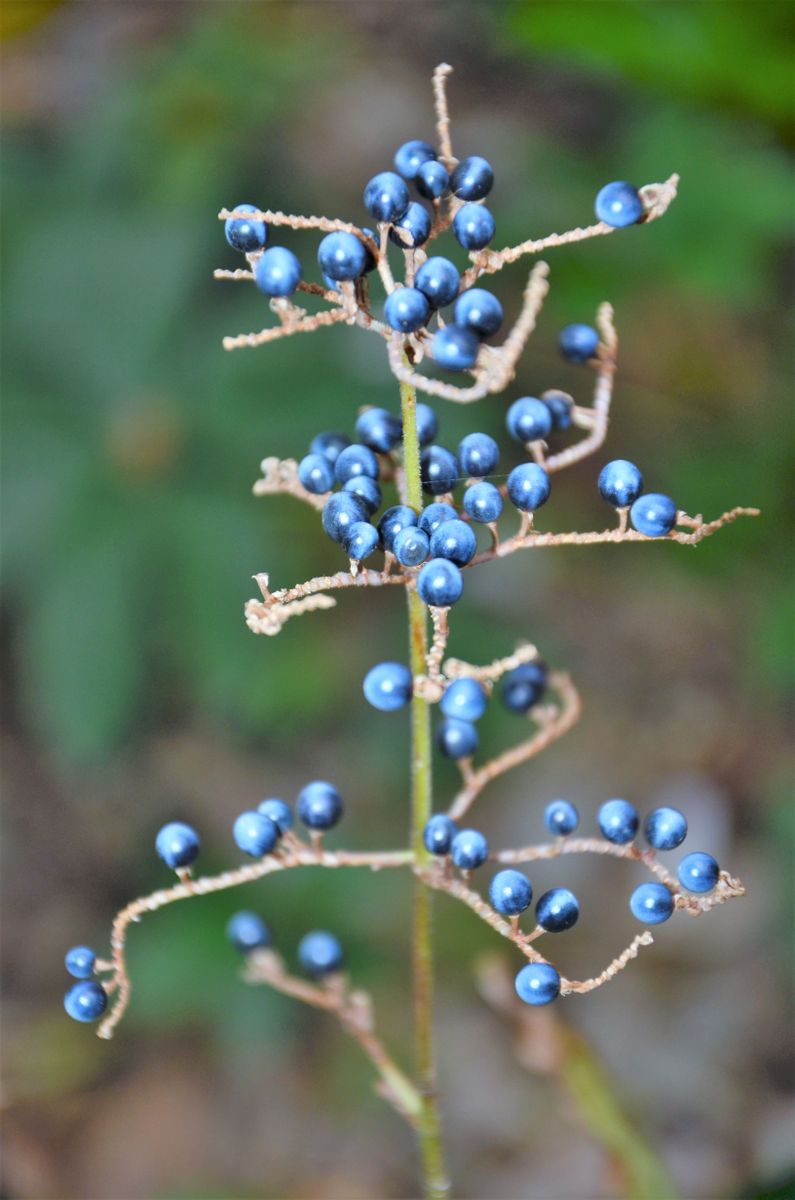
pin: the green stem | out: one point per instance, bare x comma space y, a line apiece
429, 1130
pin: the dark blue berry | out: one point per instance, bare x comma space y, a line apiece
698, 872
557, 910
279, 812
177, 844
245, 235
356, 460
464, 698
653, 514
478, 455
455, 347
415, 224
651, 903
473, 226
510, 893
528, 419
255, 834
427, 424
483, 502
578, 343
340, 512
665, 828
618, 821
469, 849
379, 429
619, 204
456, 738
342, 256
388, 686
438, 834
319, 805
472, 179
320, 954
620, 483
438, 470
438, 280
412, 155
361, 540
406, 309
329, 445
439, 583
410, 547
434, 515
80, 962
398, 517
277, 272
86, 1001
538, 983
560, 406
370, 263
524, 686
561, 817
247, 931
478, 310
432, 180
454, 540
316, 473
386, 197
367, 490
528, 487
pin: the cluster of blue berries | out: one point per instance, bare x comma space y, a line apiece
320, 953
87, 999
651, 513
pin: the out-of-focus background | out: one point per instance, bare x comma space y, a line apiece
135, 693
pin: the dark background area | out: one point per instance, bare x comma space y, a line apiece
136, 694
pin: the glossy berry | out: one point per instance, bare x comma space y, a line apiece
356, 460
438, 470
557, 910
698, 872
432, 180
469, 849
406, 310
456, 541
524, 686
386, 197
438, 280
361, 540
473, 226
456, 738
464, 698
618, 821
472, 179
620, 483
653, 514
538, 983
277, 272
439, 583
561, 817
619, 204
244, 235
388, 686
427, 424
316, 473
366, 489
342, 256
86, 1001
247, 931
478, 310
398, 517
438, 834
483, 502
415, 225
379, 429
528, 419
80, 962
320, 954
279, 812
528, 487
411, 156
329, 445
560, 406
510, 893
478, 455
578, 343
340, 512
455, 347
434, 515
665, 828
255, 834
319, 805
651, 903
177, 844
411, 546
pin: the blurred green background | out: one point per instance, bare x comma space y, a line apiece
136, 693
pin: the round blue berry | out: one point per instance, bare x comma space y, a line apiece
478, 310
561, 817
438, 470
454, 540
410, 547
255, 834
366, 489
245, 235
329, 445
427, 424
316, 473
432, 180
361, 540
483, 502
379, 429
386, 196
510, 893
342, 256
698, 872
618, 821
279, 812
388, 686
340, 512
619, 204
277, 272
528, 419
439, 583
651, 903
399, 516
653, 514
473, 226
665, 828
620, 483
86, 1001
455, 348
415, 224
406, 310
472, 179
80, 962
560, 406
356, 460
478, 455
538, 983
464, 698
320, 954
456, 738
528, 487
247, 931
438, 834
319, 805
524, 686
469, 849
412, 155
557, 910
434, 515
177, 844
578, 343
438, 280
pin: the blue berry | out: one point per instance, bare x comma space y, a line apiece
464, 698
439, 583
538, 983
319, 805
455, 347
406, 309
342, 256
454, 540
653, 514
361, 540
432, 180
279, 812
434, 515
398, 517
415, 224
478, 454
277, 272
473, 226
86, 1001
329, 445
80, 962
578, 343
472, 179
386, 197
388, 686
247, 931
620, 483
244, 235
438, 834
510, 893
557, 910
316, 473
651, 903
255, 834
698, 872
618, 821
356, 460
427, 424
483, 502
524, 686
456, 738
469, 849
478, 310
320, 954
438, 280
528, 419
411, 156
528, 487
340, 512
560, 406
438, 470
366, 489
410, 547
379, 429
561, 817
177, 844
619, 204
665, 828
370, 263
